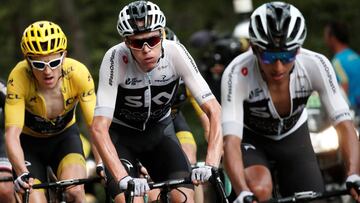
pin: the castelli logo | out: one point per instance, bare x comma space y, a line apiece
125, 59
244, 71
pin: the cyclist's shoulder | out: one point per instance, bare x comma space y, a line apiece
241, 65
307, 54
74, 67
117, 50
21, 73
312, 61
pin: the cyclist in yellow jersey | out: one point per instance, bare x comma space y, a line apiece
43, 91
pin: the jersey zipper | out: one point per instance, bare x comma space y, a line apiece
149, 109
280, 126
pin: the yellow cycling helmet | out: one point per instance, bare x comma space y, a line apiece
42, 38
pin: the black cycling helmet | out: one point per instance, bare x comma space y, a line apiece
140, 16
224, 51
277, 25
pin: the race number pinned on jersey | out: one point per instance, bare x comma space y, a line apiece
244, 71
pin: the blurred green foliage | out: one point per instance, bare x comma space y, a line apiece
91, 26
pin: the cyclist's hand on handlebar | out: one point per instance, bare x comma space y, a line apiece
23, 182
201, 174
245, 197
353, 185
140, 185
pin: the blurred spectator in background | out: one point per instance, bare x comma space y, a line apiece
220, 54
345, 61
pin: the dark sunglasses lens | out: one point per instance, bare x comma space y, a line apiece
38, 65
153, 41
137, 43
55, 63
272, 57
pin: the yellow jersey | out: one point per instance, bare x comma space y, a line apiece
25, 107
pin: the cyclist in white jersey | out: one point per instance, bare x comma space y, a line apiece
264, 92
137, 83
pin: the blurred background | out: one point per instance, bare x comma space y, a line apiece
91, 27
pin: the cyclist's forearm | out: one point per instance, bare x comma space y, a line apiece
233, 164
106, 150
205, 124
215, 142
14, 150
349, 146
96, 154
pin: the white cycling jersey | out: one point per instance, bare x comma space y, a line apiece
246, 100
134, 98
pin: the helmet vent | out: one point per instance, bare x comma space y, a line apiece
261, 30
296, 29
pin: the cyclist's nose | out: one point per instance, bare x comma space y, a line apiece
278, 65
146, 48
47, 69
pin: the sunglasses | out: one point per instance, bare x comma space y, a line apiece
270, 57
138, 44
41, 65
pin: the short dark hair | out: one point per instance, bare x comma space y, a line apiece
339, 30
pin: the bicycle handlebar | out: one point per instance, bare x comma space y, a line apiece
308, 196
66, 183
170, 183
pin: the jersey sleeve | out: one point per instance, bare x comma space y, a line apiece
15, 99
107, 87
2, 94
188, 71
324, 81
233, 93
86, 90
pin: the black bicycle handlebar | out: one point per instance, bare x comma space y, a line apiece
308, 196
66, 183
174, 183
170, 183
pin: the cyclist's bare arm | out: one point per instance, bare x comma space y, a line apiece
101, 138
349, 146
14, 149
204, 120
233, 163
214, 150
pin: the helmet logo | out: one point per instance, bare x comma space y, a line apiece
125, 59
244, 71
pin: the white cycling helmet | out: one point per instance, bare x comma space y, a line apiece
138, 17
277, 25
